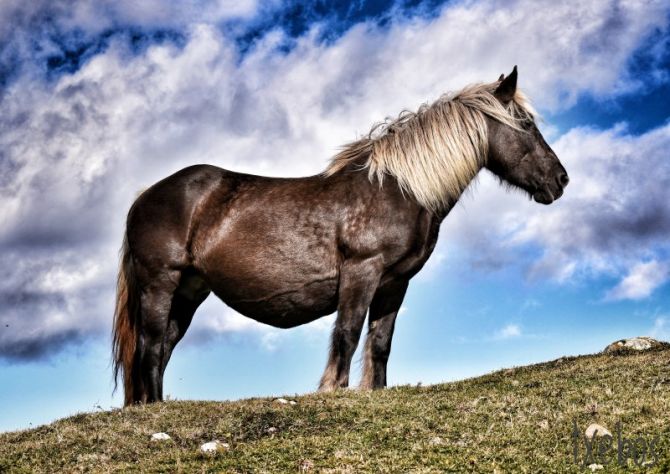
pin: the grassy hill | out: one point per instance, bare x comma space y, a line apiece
514, 420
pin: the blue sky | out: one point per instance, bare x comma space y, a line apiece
101, 99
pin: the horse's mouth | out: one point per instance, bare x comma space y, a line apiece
543, 197
546, 196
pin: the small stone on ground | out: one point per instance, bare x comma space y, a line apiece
214, 446
160, 437
284, 401
595, 429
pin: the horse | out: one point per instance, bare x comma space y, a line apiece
287, 251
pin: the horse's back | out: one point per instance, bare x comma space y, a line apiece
170, 212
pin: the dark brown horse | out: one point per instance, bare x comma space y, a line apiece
288, 251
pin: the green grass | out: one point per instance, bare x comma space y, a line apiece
515, 420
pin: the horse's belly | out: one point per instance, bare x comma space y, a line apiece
271, 260
284, 307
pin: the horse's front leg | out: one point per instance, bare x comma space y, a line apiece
383, 311
358, 282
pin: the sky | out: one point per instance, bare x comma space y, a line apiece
100, 99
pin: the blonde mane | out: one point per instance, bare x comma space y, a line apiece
435, 152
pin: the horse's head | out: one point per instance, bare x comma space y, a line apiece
522, 157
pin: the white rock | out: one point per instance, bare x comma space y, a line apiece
595, 467
640, 343
436, 441
214, 446
597, 430
272, 430
160, 437
284, 401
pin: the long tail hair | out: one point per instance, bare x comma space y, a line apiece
125, 330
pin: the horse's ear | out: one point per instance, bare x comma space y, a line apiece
507, 88
501, 78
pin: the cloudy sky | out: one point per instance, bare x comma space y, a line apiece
99, 99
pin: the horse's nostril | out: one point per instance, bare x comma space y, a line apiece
563, 179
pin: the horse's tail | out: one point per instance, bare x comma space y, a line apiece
124, 333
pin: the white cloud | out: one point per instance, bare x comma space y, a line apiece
94, 16
68, 278
78, 148
641, 281
51, 298
510, 331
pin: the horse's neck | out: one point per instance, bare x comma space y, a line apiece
357, 170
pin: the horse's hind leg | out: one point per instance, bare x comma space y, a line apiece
358, 282
192, 291
156, 302
381, 322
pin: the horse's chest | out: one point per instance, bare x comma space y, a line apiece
415, 256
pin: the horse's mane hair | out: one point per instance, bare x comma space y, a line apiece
435, 152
